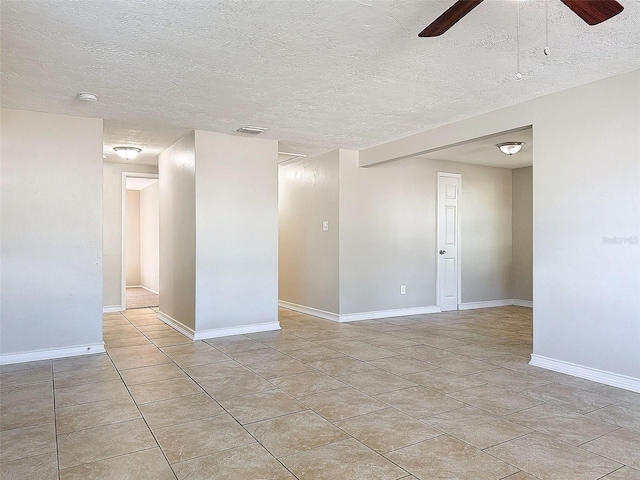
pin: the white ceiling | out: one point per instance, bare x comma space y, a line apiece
485, 152
321, 74
135, 183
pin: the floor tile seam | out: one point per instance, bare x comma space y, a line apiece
6, 388
351, 437
599, 436
29, 457
106, 458
55, 420
501, 415
485, 451
111, 458
143, 419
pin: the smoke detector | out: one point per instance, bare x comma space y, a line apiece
252, 130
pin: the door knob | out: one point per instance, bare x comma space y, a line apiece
442, 252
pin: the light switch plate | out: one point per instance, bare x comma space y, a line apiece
325, 226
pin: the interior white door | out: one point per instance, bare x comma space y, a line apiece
448, 239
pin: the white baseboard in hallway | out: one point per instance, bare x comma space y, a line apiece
217, 332
309, 310
112, 308
588, 373
396, 312
495, 303
176, 325
9, 358
354, 317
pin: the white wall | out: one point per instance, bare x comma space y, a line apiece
112, 229
132, 241
149, 237
388, 227
587, 186
308, 256
177, 206
522, 283
51, 240
237, 231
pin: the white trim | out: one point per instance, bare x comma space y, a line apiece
398, 312
523, 303
142, 286
123, 231
458, 235
354, 317
495, 303
216, 332
485, 304
243, 329
112, 308
34, 356
589, 373
309, 311
176, 325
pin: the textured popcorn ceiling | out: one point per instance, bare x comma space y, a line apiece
320, 74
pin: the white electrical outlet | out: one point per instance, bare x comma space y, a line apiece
325, 226
403, 289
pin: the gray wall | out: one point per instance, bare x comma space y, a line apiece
177, 206
112, 228
388, 226
149, 237
237, 231
132, 252
522, 284
308, 256
51, 240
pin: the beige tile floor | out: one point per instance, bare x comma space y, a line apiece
442, 396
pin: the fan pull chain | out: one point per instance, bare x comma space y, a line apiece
547, 50
518, 74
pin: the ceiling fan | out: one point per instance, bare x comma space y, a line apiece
591, 11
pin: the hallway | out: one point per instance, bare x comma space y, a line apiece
433, 396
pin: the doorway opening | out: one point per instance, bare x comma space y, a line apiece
140, 241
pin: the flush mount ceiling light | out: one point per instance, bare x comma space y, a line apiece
510, 148
252, 130
87, 97
127, 152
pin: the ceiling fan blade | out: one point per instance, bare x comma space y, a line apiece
594, 11
449, 18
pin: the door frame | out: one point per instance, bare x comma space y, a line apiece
123, 231
440, 175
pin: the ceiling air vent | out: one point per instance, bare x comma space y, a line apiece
252, 130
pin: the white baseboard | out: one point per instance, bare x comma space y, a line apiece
217, 332
112, 308
309, 310
176, 325
354, 317
397, 312
241, 330
600, 376
149, 290
523, 303
8, 358
133, 286
494, 303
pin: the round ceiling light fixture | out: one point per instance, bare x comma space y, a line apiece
510, 148
127, 152
88, 97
